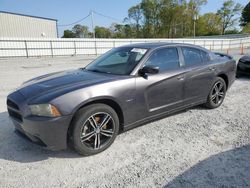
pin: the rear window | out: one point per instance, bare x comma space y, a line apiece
223, 56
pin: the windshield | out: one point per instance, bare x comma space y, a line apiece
118, 61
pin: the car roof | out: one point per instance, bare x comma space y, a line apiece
152, 45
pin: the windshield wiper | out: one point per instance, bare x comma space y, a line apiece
96, 70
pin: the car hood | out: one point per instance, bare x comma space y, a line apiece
245, 58
62, 81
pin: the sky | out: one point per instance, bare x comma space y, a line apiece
66, 11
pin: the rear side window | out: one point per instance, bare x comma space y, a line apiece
165, 59
192, 56
205, 56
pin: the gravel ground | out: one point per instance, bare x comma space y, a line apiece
194, 148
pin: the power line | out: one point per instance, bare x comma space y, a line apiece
98, 13
109, 17
78, 21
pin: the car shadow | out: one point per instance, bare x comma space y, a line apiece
226, 169
244, 77
15, 148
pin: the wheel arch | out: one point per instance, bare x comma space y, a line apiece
225, 78
107, 101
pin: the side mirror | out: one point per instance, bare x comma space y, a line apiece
149, 70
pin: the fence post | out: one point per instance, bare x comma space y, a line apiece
95, 47
51, 49
113, 43
75, 46
221, 45
242, 49
26, 49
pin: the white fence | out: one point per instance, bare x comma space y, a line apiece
16, 47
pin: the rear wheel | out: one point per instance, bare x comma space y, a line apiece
217, 94
95, 127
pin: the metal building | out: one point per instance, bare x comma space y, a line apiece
20, 25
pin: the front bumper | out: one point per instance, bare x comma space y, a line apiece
46, 131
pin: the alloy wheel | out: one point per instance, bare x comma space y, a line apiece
97, 130
218, 93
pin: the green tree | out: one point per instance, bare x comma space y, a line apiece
117, 30
151, 10
123, 31
135, 15
232, 31
246, 28
209, 24
68, 34
193, 14
102, 32
245, 16
227, 14
81, 31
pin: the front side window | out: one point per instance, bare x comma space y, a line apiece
119, 61
192, 56
165, 59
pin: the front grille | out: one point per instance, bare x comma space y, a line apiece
13, 111
15, 115
12, 104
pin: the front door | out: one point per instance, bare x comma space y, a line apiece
161, 92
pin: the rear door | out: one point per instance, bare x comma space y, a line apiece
199, 74
163, 91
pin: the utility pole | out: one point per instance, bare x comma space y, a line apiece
194, 17
195, 20
92, 21
194, 28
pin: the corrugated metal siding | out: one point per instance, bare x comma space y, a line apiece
12, 25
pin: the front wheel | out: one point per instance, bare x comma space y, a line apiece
95, 127
217, 94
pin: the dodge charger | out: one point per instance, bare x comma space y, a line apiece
128, 86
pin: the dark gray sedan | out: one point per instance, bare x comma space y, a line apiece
126, 87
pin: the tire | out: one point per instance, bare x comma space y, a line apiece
238, 75
216, 96
95, 128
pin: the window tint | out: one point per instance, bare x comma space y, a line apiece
118, 61
192, 56
115, 58
165, 59
205, 56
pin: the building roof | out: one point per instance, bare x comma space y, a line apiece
18, 14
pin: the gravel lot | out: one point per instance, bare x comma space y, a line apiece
194, 148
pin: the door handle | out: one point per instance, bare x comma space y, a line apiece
180, 77
212, 69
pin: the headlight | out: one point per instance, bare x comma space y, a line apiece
47, 110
